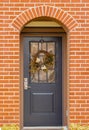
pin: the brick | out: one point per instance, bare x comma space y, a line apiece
75, 1
74, 17
65, 0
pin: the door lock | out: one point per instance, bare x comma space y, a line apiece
25, 83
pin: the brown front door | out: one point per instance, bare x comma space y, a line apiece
43, 75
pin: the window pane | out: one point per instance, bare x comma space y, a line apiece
45, 73
51, 47
51, 76
44, 46
34, 48
34, 77
42, 77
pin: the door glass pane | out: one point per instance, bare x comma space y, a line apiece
42, 62
34, 48
40, 46
42, 77
51, 76
34, 77
44, 45
51, 47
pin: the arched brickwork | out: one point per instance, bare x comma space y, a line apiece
68, 22
49, 11
55, 13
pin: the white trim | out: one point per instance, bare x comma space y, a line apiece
46, 128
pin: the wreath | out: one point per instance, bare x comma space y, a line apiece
45, 64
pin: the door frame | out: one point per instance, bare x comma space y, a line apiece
64, 74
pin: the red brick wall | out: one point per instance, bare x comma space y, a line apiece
74, 14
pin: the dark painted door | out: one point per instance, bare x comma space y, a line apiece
43, 77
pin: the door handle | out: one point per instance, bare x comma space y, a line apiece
25, 83
29, 86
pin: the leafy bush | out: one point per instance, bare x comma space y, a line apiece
79, 127
10, 127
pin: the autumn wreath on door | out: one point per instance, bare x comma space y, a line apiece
42, 60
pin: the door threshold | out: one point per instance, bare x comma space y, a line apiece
46, 128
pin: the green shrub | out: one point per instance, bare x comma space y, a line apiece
10, 127
79, 127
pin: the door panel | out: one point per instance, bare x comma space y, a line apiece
43, 98
42, 103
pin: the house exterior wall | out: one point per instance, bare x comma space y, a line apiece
74, 15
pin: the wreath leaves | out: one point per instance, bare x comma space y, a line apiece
37, 64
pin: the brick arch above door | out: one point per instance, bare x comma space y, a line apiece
44, 11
